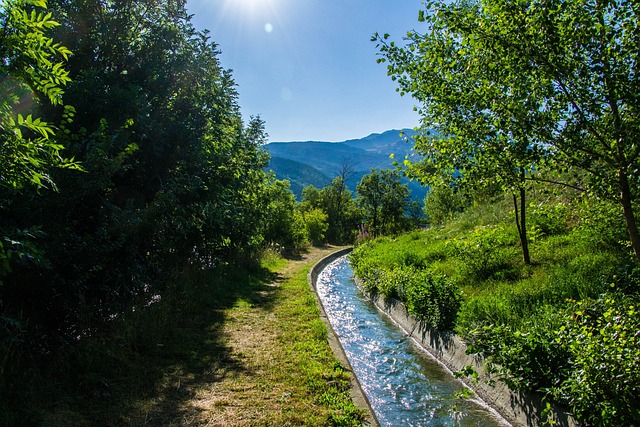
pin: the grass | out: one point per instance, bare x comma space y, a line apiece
479, 251
222, 348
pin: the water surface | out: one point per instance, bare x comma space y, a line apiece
405, 385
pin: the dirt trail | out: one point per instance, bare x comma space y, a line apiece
249, 385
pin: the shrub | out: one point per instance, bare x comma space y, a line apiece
442, 203
317, 225
549, 219
586, 357
434, 299
603, 338
487, 254
528, 357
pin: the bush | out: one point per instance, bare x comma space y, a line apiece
549, 219
434, 299
585, 357
603, 338
317, 225
442, 203
487, 254
528, 357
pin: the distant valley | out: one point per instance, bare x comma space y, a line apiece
317, 163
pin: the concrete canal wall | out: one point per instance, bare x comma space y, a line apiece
520, 409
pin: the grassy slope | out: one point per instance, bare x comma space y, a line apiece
480, 252
229, 349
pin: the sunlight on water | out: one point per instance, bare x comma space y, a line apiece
405, 385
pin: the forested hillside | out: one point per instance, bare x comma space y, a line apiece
378, 150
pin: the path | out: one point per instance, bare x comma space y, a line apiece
276, 366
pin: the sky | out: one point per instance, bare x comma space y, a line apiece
308, 67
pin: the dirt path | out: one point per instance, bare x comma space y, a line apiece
270, 372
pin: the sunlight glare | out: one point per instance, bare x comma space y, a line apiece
267, 12
251, 5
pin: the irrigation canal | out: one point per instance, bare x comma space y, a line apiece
405, 385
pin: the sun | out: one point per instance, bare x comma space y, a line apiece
263, 14
252, 4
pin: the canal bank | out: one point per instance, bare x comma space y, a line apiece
520, 409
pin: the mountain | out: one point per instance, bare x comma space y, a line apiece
299, 174
317, 162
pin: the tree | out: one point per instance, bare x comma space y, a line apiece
29, 74
484, 127
173, 177
282, 225
336, 202
32, 72
384, 200
339, 204
516, 84
316, 223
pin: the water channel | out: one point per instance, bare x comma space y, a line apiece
404, 384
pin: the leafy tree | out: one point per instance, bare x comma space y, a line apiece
442, 203
317, 225
336, 201
284, 224
514, 84
173, 175
384, 200
29, 74
484, 128
32, 71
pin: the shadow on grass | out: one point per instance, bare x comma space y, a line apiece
198, 356
153, 361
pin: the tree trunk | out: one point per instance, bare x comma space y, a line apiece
521, 223
629, 217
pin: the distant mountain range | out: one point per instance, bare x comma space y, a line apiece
317, 163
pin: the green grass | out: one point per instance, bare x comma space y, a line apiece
480, 252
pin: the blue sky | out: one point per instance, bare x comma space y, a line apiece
308, 67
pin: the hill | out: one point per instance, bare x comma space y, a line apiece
318, 162
298, 174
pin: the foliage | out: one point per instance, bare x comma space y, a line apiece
172, 177
431, 297
487, 253
603, 340
442, 203
336, 202
384, 200
528, 357
434, 299
584, 356
30, 74
511, 87
284, 225
316, 224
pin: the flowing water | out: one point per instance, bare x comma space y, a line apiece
405, 385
